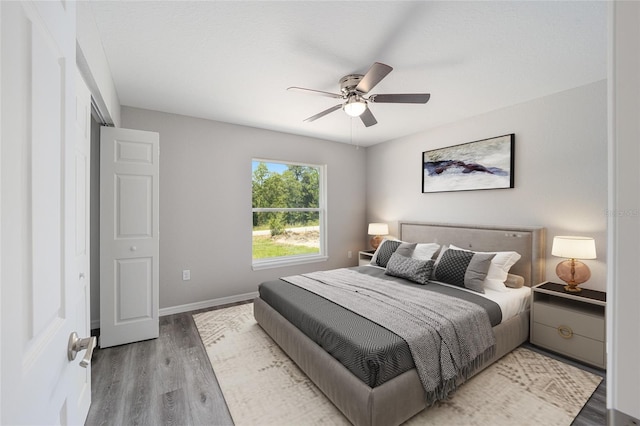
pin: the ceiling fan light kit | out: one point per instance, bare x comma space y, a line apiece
355, 106
353, 87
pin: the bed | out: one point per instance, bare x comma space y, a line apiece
401, 396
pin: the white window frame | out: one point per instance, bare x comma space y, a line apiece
299, 259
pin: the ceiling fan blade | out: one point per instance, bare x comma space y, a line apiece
375, 74
367, 118
325, 112
405, 98
316, 92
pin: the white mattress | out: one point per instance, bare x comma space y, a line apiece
512, 302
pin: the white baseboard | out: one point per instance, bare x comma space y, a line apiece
197, 305
207, 303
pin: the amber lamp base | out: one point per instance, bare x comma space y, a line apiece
375, 241
573, 272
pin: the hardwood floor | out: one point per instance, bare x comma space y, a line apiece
165, 381
169, 381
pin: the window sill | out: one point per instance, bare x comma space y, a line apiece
290, 261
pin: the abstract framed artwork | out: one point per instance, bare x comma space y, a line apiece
483, 164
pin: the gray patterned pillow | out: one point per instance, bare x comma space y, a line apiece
408, 268
384, 252
463, 269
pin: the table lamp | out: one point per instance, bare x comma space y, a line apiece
572, 271
377, 230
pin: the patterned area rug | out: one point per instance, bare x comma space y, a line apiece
262, 386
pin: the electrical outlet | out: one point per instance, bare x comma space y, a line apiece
349, 254
186, 274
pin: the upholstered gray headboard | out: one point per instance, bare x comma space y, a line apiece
528, 241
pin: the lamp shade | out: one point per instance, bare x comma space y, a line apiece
574, 247
378, 229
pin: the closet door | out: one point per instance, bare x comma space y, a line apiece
129, 243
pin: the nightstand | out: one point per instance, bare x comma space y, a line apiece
365, 256
571, 324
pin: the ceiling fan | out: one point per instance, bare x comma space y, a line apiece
354, 87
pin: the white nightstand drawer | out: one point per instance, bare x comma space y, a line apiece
581, 323
572, 324
579, 347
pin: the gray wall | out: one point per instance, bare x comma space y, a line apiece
205, 202
560, 173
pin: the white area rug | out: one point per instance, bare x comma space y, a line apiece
262, 386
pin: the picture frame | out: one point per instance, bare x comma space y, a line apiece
477, 165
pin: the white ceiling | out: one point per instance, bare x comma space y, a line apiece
232, 61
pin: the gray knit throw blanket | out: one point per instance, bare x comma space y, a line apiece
449, 338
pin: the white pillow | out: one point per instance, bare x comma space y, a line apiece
499, 269
425, 251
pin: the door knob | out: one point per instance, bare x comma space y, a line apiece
76, 345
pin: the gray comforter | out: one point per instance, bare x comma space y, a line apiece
448, 337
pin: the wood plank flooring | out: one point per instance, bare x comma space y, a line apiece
169, 381
165, 381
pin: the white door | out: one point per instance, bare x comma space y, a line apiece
43, 297
82, 241
129, 243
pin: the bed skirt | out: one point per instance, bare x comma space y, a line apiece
391, 403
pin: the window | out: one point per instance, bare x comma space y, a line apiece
288, 204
